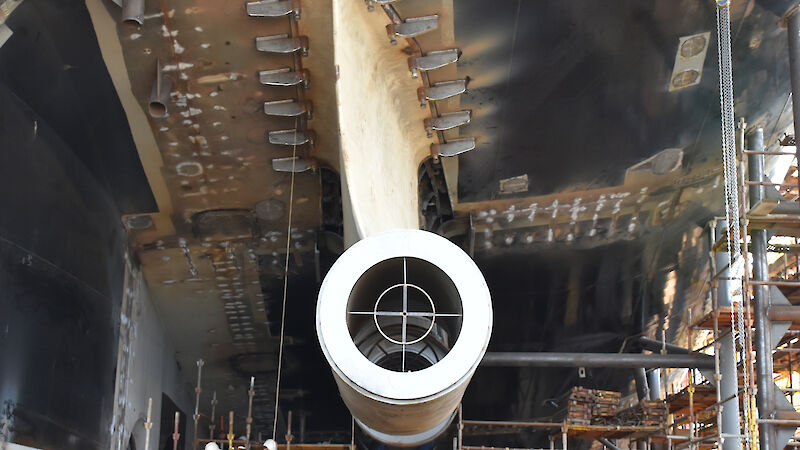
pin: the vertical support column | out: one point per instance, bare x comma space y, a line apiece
793, 27
643, 392
642, 387
763, 345
654, 382
728, 384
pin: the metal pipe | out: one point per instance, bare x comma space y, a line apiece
763, 345
607, 443
728, 382
500, 423
784, 313
656, 346
378, 333
642, 392
750, 152
176, 435
212, 417
230, 435
654, 382
149, 424
642, 389
133, 12
249, 420
793, 28
159, 95
197, 391
608, 360
776, 283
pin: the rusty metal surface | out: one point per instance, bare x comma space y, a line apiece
206, 276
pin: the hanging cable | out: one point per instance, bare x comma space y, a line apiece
285, 283
729, 160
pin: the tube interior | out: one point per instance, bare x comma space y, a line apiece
404, 314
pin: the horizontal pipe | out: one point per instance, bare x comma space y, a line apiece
767, 183
500, 423
775, 283
752, 152
609, 360
656, 346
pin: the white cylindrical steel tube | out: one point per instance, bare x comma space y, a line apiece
403, 318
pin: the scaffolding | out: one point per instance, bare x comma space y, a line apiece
770, 289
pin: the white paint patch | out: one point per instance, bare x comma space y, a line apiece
179, 49
205, 45
213, 94
532, 209
219, 108
224, 138
167, 33
163, 129
216, 124
170, 13
135, 36
191, 112
198, 29
187, 122
183, 76
175, 67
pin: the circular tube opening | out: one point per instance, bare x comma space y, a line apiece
133, 22
157, 109
404, 314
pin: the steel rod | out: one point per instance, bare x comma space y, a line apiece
775, 283
149, 424
609, 360
768, 183
751, 152
197, 391
249, 420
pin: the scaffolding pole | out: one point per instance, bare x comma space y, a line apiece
762, 339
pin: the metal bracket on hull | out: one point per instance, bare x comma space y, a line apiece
411, 27
433, 60
282, 43
441, 91
284, 77
273, 8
